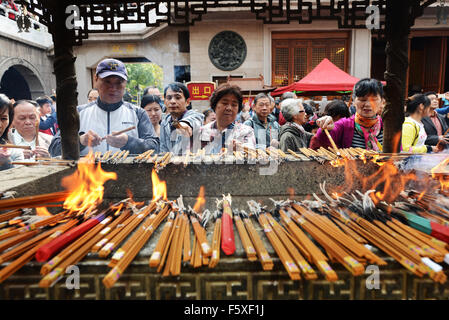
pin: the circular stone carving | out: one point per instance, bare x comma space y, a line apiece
227, 50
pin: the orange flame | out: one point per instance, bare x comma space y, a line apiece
86, 184
159, 187
42, 211
387, 180
441, 172
200, 201
339, 162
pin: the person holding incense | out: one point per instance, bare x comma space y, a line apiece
181, 125
292, 134
414, 135
26, 132
266, 128
364, 129
6, 115
152, 104
109, 123
225, 131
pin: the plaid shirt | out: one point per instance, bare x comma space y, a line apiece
213, 140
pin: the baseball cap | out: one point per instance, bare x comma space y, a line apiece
111, 67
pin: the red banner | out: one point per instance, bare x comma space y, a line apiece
200, 90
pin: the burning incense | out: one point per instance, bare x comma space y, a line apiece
337, 151
120, 132
13, 146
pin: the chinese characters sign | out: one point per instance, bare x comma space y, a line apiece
200, 90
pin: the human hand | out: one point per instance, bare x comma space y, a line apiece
90, 138
40, 152
184, 129
325, 122
274, 143
117, 141
28, 154
4, 155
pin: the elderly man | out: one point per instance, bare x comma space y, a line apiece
101, 120
265, 126
180, 127
292, 134
26, 118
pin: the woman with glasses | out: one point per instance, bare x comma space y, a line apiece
292, 134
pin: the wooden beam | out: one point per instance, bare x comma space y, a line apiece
66, 84
397, 28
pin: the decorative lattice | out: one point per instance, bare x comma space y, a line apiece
107, 16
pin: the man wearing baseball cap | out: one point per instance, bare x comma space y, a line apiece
100, 120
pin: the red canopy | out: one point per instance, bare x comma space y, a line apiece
325, 77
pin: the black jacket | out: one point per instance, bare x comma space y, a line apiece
432, 136
292, 138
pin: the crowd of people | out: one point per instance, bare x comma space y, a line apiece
166, 122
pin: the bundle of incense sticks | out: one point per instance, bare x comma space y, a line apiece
147, 223
227, 230
33, 201
262, 253
245, 239
109, 157
110, 242
50, 249
28, 249
323, 154
216, 240
284, 255
161, 163
412, 248
144, 235
172, 245
143, 157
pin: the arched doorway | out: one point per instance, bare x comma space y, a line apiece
19, 79
14, 85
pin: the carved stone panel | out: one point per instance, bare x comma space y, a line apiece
227, 50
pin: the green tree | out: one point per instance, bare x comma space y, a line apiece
140, 76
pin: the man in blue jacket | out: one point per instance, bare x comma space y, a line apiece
100, 120
180, 127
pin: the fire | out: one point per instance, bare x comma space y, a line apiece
86, 185
387, 181
42, 211
200, 201
441, 173
339, 162
159, 187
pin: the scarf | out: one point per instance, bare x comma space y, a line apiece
369, 128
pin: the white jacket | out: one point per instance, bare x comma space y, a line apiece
118, 117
